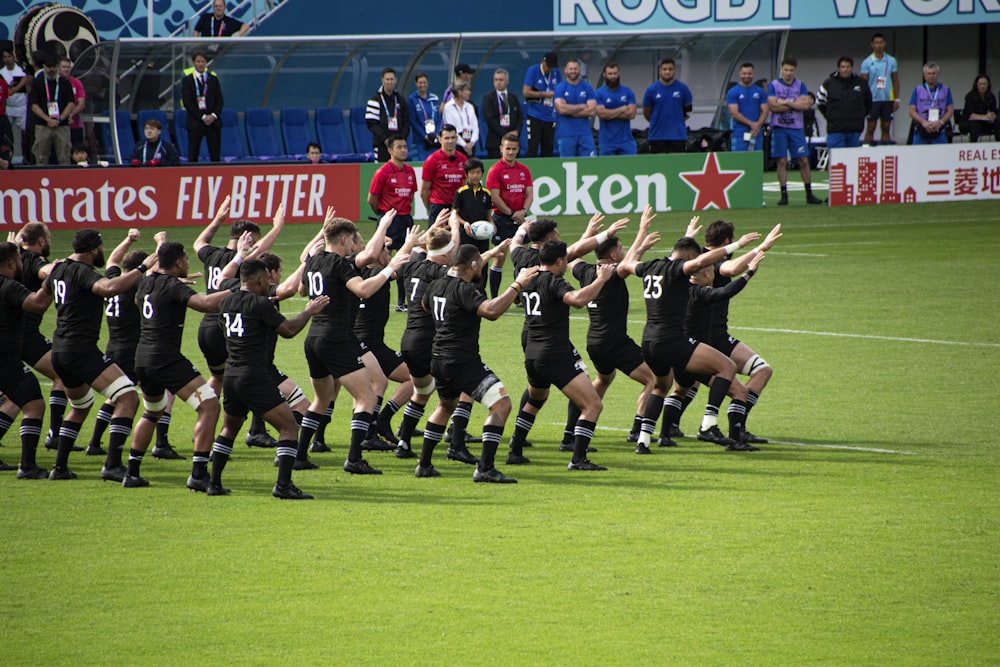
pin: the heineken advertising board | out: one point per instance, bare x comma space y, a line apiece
677, 182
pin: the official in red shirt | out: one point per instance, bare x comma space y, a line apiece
509, 183
443, 173
393, 187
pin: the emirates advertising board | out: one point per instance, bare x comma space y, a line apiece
156, 197
909, 174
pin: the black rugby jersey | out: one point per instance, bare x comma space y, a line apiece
162, 304
453, 304
78, 309
122, 315
215, 259
608, 312
665, 291
328, 273
246, 320
417, 275
546, 316
12, 295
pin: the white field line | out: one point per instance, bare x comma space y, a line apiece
895, 339
853, 448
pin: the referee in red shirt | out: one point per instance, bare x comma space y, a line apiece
443, 174
509, 183
393, 187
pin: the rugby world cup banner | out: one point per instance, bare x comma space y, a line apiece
172, 196
685, 15
626, 185
907, 174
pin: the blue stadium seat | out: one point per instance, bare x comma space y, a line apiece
180, 129
332, 131
295, 130
126, 136
232, 138
359, 130
261, 135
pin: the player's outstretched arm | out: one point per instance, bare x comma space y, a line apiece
496, 307
268, 240
581, 297
364, 288
375, 244
294, 325
108, 287
588, 243
712, 256
118, 254
207, 234
738, 265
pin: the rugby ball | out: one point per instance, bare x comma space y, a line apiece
484, 230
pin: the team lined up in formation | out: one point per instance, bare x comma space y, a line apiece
442, 276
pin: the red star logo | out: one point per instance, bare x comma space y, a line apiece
711, 184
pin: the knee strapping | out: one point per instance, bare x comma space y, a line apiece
200, 395
493, 395
118, 388
159, 405
753, 365
295, 396
84, 402
425, 391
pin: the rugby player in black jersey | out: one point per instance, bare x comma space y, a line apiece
163, 298
210, 339
279, 291
457, 308
664, 344
79, 293
246, 317
441, 241
608, 343
718, 234
18, 384
122, 317
332, 350
536, 233
698, 325
36, 245
372, 315
549, 355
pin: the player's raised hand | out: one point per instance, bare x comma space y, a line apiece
755, 262
649, 241
387, 219
279, 215
605, 271
648, 215
223, 213
399, 259
331, 213
771, 237
747, 239
594, 224
160, 237
693, 227
526, 275
617, 226
134, 234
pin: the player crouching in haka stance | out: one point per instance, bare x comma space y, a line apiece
245, 317
458, 307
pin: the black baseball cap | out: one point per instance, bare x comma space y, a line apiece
551, 58
463, 68
86, 240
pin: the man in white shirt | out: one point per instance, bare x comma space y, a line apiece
17, 100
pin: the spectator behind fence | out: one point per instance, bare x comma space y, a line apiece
52, 104
576, 104
666, 106
540, 82
154, 151
788, 99
931, 108
386, 114
458, 111
845, 101
747, 105
881, 72
616, 109
425, 118
502, 112
980, 111
18, 83
79, 101
202, 98
216, 24
463, 73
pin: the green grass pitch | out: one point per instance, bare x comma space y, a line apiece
866, 533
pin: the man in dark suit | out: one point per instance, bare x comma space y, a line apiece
502, 113
202, 98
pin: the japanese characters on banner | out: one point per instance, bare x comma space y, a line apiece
75, 198
907, 174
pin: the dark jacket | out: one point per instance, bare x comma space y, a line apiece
162, 152
844, 103
378, 121
491, 115
213, 100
